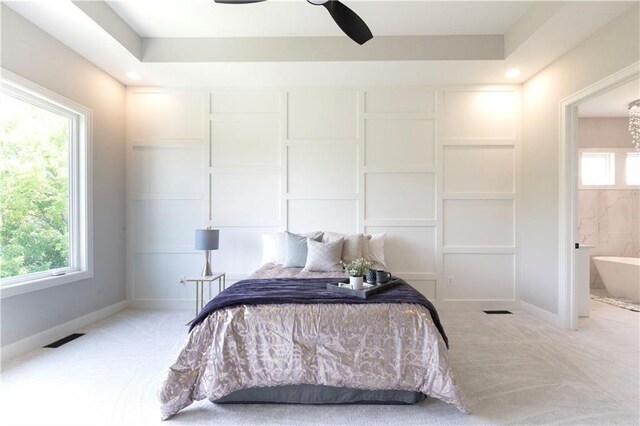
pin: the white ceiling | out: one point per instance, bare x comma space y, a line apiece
613, 103
287, 18
542, 32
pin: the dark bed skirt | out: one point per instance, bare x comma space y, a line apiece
319, 394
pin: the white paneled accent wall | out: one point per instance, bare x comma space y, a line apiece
247, 175
480, 140
399, 178
167, 191
436, 168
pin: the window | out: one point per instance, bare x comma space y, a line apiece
597, 168
44, 199
632, 168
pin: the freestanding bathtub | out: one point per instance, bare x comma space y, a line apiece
621, 276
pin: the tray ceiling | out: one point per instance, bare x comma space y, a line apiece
275, 43
273, 18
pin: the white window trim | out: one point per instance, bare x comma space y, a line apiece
80, 189
626, 168
620, 155
611, 169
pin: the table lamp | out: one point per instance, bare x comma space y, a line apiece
207, 240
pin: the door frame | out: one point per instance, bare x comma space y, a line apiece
568, 206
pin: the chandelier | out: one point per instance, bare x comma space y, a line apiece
634, 123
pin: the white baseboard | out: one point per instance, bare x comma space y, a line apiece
475, 305
51, 335
544, 315
172, 304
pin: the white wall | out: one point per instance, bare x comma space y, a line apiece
36, 56
601, 132
436, 168
612, 48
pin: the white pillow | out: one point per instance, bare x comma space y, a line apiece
281, 247
353, 246
365, 246
324, 256
375, 251
268, 248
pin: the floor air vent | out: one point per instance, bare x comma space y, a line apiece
64, 340
498, 312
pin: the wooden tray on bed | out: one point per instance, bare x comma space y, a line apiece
368, 290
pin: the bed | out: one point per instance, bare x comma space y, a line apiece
281, 337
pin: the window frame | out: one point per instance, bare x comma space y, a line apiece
635, 154
619, 156
80, 188
611, 159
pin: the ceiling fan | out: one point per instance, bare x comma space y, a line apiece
348, 21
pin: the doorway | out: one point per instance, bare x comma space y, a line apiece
569, 187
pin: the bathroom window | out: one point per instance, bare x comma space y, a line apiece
597, 168
632, 168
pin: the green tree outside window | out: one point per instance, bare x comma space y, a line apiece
34, 188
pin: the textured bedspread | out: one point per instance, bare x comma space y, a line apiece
360, 346
309, 291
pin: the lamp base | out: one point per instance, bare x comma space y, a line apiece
206, 270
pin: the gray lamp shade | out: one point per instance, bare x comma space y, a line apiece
207, 239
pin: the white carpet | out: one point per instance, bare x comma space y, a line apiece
513, 369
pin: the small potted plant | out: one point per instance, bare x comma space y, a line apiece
357, 270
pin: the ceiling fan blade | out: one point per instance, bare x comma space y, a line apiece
348, 21
238, 1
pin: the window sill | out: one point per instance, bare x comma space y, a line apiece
10, 290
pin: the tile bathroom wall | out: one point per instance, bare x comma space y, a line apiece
609, 221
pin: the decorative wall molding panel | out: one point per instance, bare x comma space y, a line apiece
437, 169
479, 190
167, 164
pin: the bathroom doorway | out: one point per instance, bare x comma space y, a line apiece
599, 193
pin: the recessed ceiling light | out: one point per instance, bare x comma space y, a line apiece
512, 73
134, 75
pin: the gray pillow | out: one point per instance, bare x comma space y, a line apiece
281, 243
295, 255
324, 256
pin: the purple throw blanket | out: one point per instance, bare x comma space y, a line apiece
309, 291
